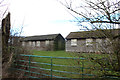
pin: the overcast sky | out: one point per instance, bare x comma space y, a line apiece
40, 17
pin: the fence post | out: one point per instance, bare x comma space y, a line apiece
29, 65
51, 68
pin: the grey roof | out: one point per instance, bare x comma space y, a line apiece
41, 37
93, 34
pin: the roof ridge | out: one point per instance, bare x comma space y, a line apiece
42, 35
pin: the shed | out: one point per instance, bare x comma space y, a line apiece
45, 42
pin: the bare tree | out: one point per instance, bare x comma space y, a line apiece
102, 16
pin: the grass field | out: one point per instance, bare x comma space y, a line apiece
69, 62
67, 54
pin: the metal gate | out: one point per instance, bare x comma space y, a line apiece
30, 69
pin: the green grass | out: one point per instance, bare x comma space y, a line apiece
53, 53
68, 62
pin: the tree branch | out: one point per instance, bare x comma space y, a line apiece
105, 22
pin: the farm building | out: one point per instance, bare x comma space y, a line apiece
45, 42
90, 41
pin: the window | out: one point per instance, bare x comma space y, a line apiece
23, 43
33, 44
89, 42
47, 42
99, 41
73, 42
107, 41
30, 43
38, 43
